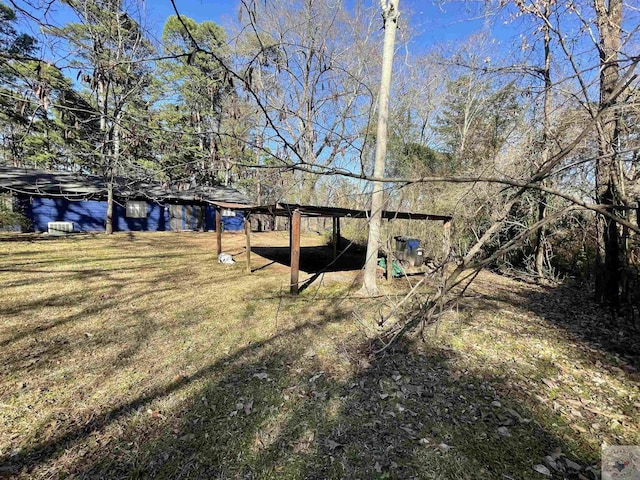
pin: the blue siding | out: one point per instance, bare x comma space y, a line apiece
228, 223
86, 216
233, 223
157, 219
89, 215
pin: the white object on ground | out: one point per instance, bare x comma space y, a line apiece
225, 258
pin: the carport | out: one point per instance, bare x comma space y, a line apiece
295, 212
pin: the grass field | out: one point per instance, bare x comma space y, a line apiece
139, 356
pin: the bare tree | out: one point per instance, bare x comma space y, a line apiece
541, 11
305, 66
546, 137
610, 190
390, 14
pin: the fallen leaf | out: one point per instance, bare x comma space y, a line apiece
542, 469
550, 462
572, 465
332, 444
513, 413
363, 363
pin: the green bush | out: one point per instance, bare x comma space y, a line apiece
10, 219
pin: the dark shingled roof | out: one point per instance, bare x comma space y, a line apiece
90, 187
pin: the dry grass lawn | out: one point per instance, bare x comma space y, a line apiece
139, 356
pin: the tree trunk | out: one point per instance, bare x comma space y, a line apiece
609, 180
309, 180
257, 172
113, 162
390, 15
544, 157
109, 220
540, 236
106, 160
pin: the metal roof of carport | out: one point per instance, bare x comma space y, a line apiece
286, 209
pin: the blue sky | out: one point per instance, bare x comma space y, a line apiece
198, 9
439, 22
220, 11
435, 22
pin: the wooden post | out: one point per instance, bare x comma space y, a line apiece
446, 244
247, 233
219, 230
295, 251
335, 236
290, 227
338, 233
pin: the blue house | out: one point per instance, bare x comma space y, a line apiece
44, 197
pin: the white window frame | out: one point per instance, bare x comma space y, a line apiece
136, 209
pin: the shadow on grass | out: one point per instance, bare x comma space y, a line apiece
315, 259
27, 267
111, 297
271, 410
573, 308
113, 292
41, 453
39, 237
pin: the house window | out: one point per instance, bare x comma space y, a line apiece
136, 209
